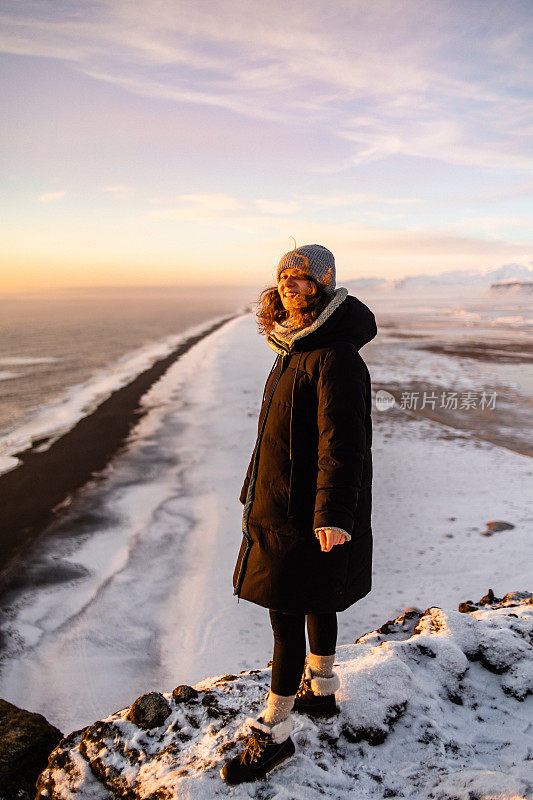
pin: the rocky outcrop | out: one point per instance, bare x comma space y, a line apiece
26, 741
434, 704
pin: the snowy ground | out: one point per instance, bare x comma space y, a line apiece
150, 551
436, 706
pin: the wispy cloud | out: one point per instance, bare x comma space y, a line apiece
357, 199
199, 206
391, 78
492, 224
513, 192
50, 197
182, 92
442, 140
120, 192
277, 207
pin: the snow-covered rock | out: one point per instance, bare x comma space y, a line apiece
434, 705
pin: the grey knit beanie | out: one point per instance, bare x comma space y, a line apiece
316, 261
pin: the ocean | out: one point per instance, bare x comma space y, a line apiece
63, 351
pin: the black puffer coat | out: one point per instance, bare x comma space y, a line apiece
311, 467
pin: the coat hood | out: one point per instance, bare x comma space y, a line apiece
345, 318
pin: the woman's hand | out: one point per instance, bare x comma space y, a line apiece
328, 538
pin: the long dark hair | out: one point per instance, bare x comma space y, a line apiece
270, 308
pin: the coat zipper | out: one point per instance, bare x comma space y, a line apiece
290, 434
251, 486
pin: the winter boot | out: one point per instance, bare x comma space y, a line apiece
316, 695
267, 747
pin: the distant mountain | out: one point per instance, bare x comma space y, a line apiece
365, 283
511, 287
465, 277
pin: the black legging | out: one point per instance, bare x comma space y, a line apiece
290, 649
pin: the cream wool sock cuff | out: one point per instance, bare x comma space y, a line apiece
321, 665
279, 732
278, 708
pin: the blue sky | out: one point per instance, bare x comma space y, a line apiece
163, 142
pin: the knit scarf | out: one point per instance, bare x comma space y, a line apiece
286, 330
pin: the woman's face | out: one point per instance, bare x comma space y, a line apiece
292, 288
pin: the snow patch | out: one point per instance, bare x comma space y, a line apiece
424, 717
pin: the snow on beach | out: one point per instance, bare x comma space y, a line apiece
142, 596
6, 376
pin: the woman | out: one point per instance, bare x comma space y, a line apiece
306, 551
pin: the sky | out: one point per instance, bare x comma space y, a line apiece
169, 143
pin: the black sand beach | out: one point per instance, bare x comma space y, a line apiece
31, 495
502, 353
